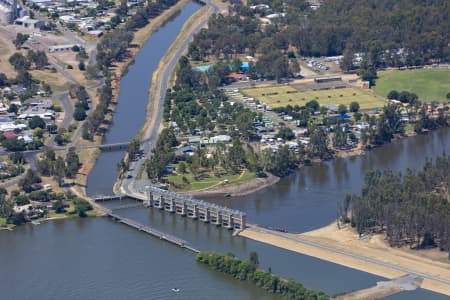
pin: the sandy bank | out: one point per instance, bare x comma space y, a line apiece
369, 254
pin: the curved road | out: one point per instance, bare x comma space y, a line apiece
130, 185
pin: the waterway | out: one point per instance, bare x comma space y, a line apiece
131, 110
101, 259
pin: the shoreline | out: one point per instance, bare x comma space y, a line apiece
120, 69
369, 254
236, 189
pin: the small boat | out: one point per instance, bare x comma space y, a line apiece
35, 222
176, 290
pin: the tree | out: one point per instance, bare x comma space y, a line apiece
254, 260
285, 133
20, 40
19, 62
393, 95
35, 122
59, 170
3, 80
313, 105
72, 162
133, 149
28, 180
354, 106
81, 66
318, 140
79, 113
368, 73
181, 167
58, 206
342, 109
346, 62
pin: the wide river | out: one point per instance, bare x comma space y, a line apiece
99, 259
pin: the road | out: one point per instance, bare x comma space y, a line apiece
306, 242
131, 185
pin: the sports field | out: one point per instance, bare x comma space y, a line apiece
282, 95
428, 84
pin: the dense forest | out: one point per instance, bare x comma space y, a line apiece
421, 28
412, 208
388, 33
248, 270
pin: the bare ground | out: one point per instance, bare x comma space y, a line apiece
429, 262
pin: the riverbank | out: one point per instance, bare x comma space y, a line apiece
236, 189
155, 92
88, 157
369, 254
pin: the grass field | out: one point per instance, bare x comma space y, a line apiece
428, 84
57, 82
207, 180
2, 222
282, 95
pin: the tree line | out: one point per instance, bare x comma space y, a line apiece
247, 270
412, 208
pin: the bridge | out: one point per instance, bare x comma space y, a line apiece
184, 206
194, 208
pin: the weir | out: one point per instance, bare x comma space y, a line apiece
182, 205
193, 208
152, 231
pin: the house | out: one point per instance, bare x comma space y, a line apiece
26, 138
169, 169
187, 149
9, 135
62, 48
94, 33
237, 77
220, 139
28, 22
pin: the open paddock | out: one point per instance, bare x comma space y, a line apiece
282, 95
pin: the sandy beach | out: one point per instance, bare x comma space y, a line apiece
369, 254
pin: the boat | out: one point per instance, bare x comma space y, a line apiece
176, 290
35, 222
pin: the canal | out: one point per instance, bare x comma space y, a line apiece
98, 258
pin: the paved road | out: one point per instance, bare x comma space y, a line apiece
300, 240
130, 185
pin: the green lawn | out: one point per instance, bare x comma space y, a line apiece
206, 180
428, 84
2, 222
282, 95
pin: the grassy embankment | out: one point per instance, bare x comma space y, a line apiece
282, 95
6, 50
206, 180
428, 84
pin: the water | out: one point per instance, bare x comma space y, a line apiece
308, 199
131, 110
100, 259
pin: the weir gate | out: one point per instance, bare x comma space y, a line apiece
187, 206
194, 208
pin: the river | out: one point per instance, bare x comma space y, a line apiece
98, 258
